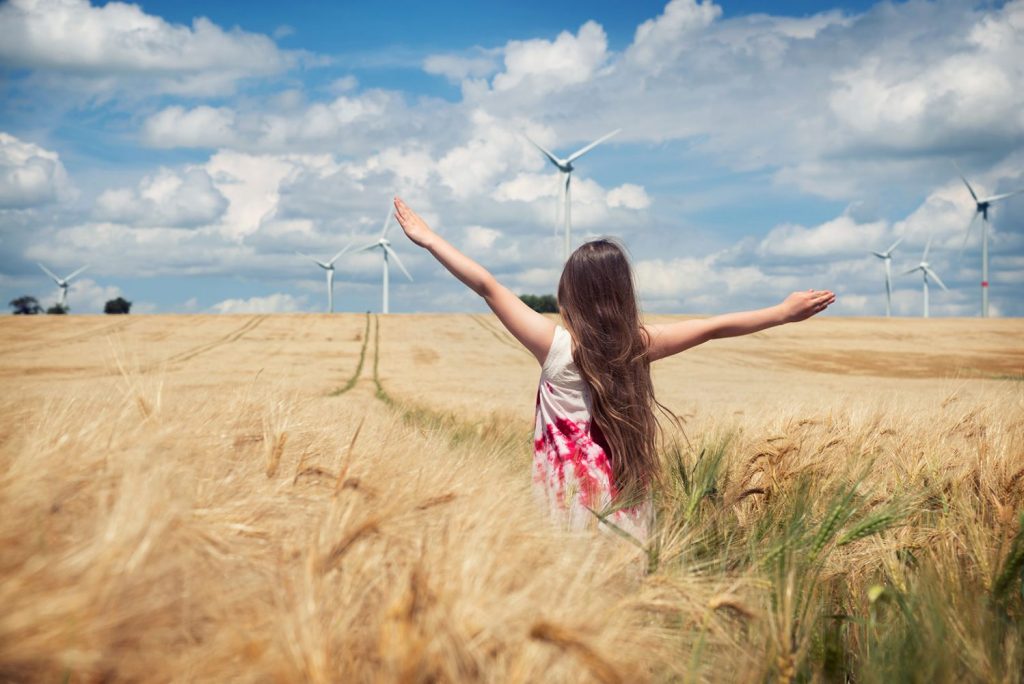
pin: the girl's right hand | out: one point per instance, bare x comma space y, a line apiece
800, 306
415, 227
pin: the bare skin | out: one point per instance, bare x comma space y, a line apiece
536, 332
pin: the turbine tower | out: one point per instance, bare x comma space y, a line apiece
566, 168
926, 270
981, 206
886, 257
329, 268
62, 283
385, 247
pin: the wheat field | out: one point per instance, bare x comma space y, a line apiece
346, 499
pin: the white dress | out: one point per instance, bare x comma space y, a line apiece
572, 470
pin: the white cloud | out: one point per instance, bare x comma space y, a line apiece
480, 237
285, 123
478, 64
536, 280
322, 120
274, 303
29, 175
283, 31
544, 65
409, 166
841, 235
344, 84
201, 126
165, 198
497, 249
118, 41
495, 148
529, 187
628, 196
659, 41
921, 107
705, 280
252, 183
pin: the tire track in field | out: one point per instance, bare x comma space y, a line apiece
501, 335
381, 394
495, 435
112, 328
351, 382
232, 336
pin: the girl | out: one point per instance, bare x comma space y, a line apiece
594, 438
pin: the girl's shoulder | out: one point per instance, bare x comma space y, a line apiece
560, 353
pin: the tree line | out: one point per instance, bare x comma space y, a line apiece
26, 305
541, 303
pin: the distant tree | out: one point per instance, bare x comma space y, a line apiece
57, 309
117, 306
25, 306
541, 303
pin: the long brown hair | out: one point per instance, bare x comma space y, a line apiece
598, 303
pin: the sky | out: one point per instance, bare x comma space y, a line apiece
186, 151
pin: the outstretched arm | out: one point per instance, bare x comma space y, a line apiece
666, 340
533, 330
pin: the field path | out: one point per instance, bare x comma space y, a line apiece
233, 336
351, 382
499, 333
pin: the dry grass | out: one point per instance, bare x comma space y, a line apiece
196, 506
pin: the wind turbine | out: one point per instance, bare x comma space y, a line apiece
62, 283
329, 268
886, 256
926, 270
566, 168
981, 206
385, 247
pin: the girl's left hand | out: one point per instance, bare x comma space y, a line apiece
414, 226
800, 306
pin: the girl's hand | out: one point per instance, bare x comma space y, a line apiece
415, 228
800, 306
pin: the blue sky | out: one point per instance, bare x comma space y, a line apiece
187, 150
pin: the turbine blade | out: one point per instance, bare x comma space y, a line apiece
927, 246
551, 157
969, 188
880, 255
313, 259
49, 273
369, 246
583, 150
338, 255
387, 223
916, 268
996, 198
77, 272
935, 275
398, 261
894, 245
967, 235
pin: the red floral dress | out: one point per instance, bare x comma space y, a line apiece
572, 471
